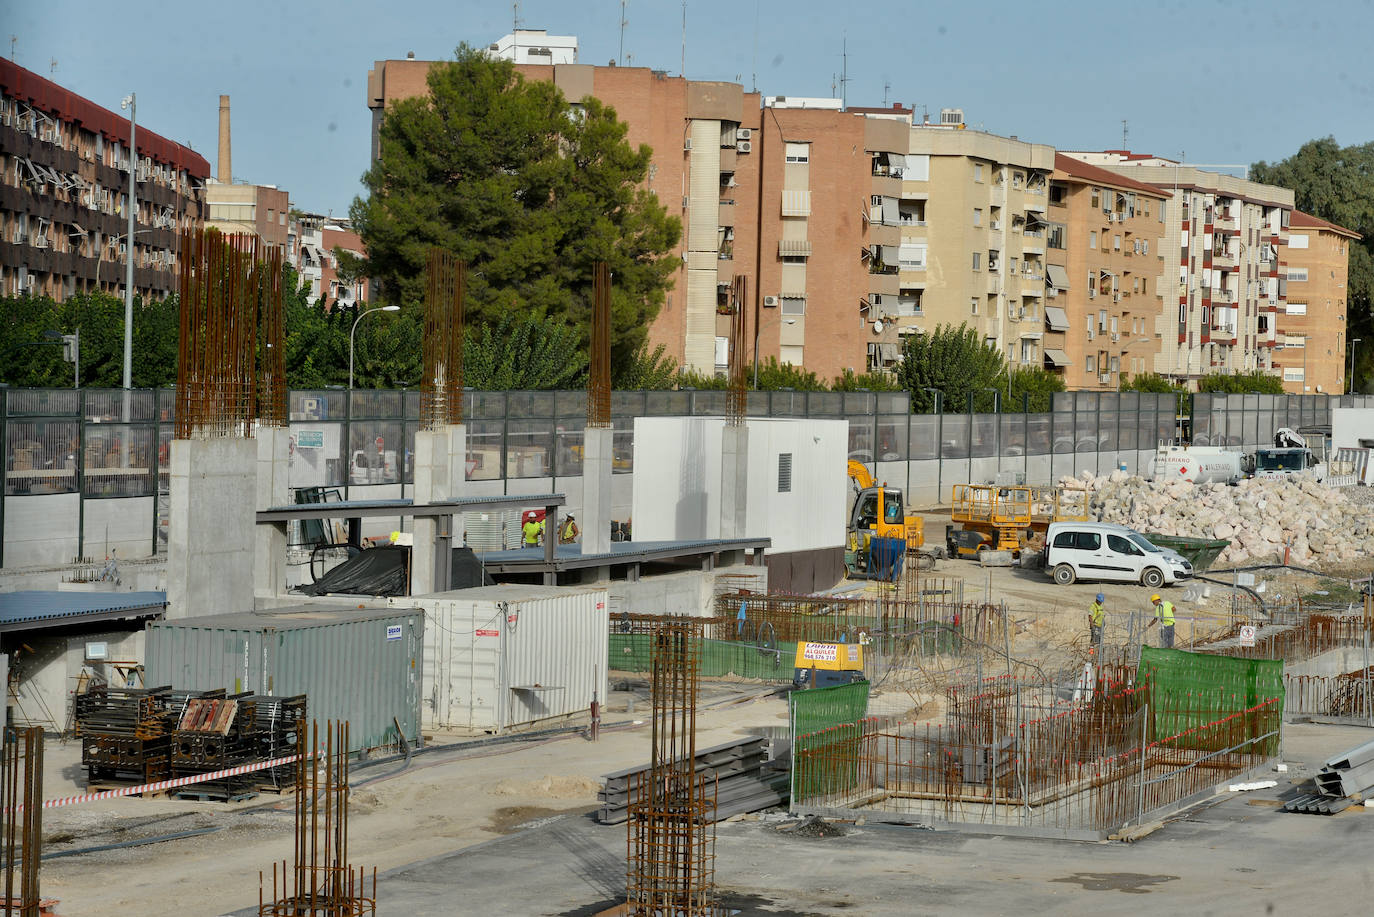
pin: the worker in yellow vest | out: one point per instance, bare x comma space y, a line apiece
1164, 617
1097, 616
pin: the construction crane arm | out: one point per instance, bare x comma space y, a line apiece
859, 474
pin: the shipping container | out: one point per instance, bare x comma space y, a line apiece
511, 656
363, 666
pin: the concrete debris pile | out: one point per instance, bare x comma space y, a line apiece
1319, 525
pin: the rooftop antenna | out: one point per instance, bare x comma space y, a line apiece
844, 70
887, 84
754, 69
1125, 132
623, 22
52, 66
14, 40
515, 32
684, 39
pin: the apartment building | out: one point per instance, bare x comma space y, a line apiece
975, 232
64, 182
1310, 346
535, 46
1228, 236
247, 209
1105, 276
312, 239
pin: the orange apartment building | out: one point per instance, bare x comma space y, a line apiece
794, 195
64, 183
1106, 298
1310, 348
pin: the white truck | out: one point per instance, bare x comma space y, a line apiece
1199, 464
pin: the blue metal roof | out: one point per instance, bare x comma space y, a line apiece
31, 609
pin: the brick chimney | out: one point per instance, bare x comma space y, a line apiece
226, 172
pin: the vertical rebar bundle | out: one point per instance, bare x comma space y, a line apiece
672, 831
737, 400
441, 388
321, 883
599, 375
272, 388
21, 818
224, 281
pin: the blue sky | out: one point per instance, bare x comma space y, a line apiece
1223, 80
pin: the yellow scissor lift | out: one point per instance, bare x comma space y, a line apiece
993, 517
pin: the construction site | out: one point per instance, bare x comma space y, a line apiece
792, 691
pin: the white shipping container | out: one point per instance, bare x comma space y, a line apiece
498, 658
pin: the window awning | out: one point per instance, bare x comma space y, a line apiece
1058, 357
1056, 318
1057, 277
794, 247
1033, 217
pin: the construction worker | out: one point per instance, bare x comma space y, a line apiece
569, 531
1097, 616
532, 532
1164, 617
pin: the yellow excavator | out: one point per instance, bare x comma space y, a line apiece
878, 511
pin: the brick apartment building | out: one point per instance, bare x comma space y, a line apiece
1228, 237
311, 241
1310, 346
64, 181
1104, 316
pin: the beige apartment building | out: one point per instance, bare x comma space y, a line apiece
1228, 238
1106, 267
975, 232
1310, 347
240, 208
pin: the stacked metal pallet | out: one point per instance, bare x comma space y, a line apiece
210, 736
744, 781
124, 733
1342, 782
273, 723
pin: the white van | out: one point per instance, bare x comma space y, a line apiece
1103, 551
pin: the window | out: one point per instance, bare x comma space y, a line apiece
1089, 363
917, 167
977, 171
912, 256
977, 261
784, 472
1080, 541
1058, 193
1116, 364
1122, 546
1097, 197
977, 216
1116, 243
793, 305
1294, 375
1028, 350
1162, 205
1056, 235
994, 257
798, 152
1297, 275
973, 305
1092, 291
1016, 179
1092, 239
1296, 308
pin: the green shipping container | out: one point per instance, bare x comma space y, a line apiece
362, 666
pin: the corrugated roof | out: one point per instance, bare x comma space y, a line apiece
1300, 220
1080, 169
30, 609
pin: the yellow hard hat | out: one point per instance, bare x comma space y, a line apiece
1154, 598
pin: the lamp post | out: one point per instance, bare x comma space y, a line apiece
355, 331
758, 328
131, 103
1350, 379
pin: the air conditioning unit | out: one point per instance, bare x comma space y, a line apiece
1116, 336
770, 302
1092, 293
744, 146
744, 133
1105, 378
1116, 297
39, 241
686, 144
1051, 292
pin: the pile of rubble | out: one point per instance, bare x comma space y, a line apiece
1320, 526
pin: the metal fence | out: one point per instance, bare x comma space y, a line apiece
108, 444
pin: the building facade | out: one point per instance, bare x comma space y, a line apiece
1311, 346
311, 242
64, 183
243, 209
1105, 284
1228, 238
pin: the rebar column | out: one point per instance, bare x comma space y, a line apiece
441, 387
599, 374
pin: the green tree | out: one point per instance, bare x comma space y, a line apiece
27, 358
526, 353
850, 381
528, 190
1336, 184
954, 361
645, 370
1033, 386
1241, 383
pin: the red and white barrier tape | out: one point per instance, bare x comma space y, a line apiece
163, 784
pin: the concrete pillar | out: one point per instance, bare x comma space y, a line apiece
269, 541
440, 474
597, 454
210, 544
734, 480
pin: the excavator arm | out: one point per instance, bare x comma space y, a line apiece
858, 473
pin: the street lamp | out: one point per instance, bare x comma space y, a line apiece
355, 331
131, 103
758, 328
1350, 380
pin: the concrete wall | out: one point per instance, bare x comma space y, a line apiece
1350, 425
41, 530
123, 526
678, 486
47, 670
211, 522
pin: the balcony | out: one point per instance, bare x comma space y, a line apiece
727, 214
1224, 334
1223, 261
885, 283
1223, 223
1223, 297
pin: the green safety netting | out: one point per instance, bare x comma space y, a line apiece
717, 658
826, 740
1188, 690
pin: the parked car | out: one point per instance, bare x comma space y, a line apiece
1103, 551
